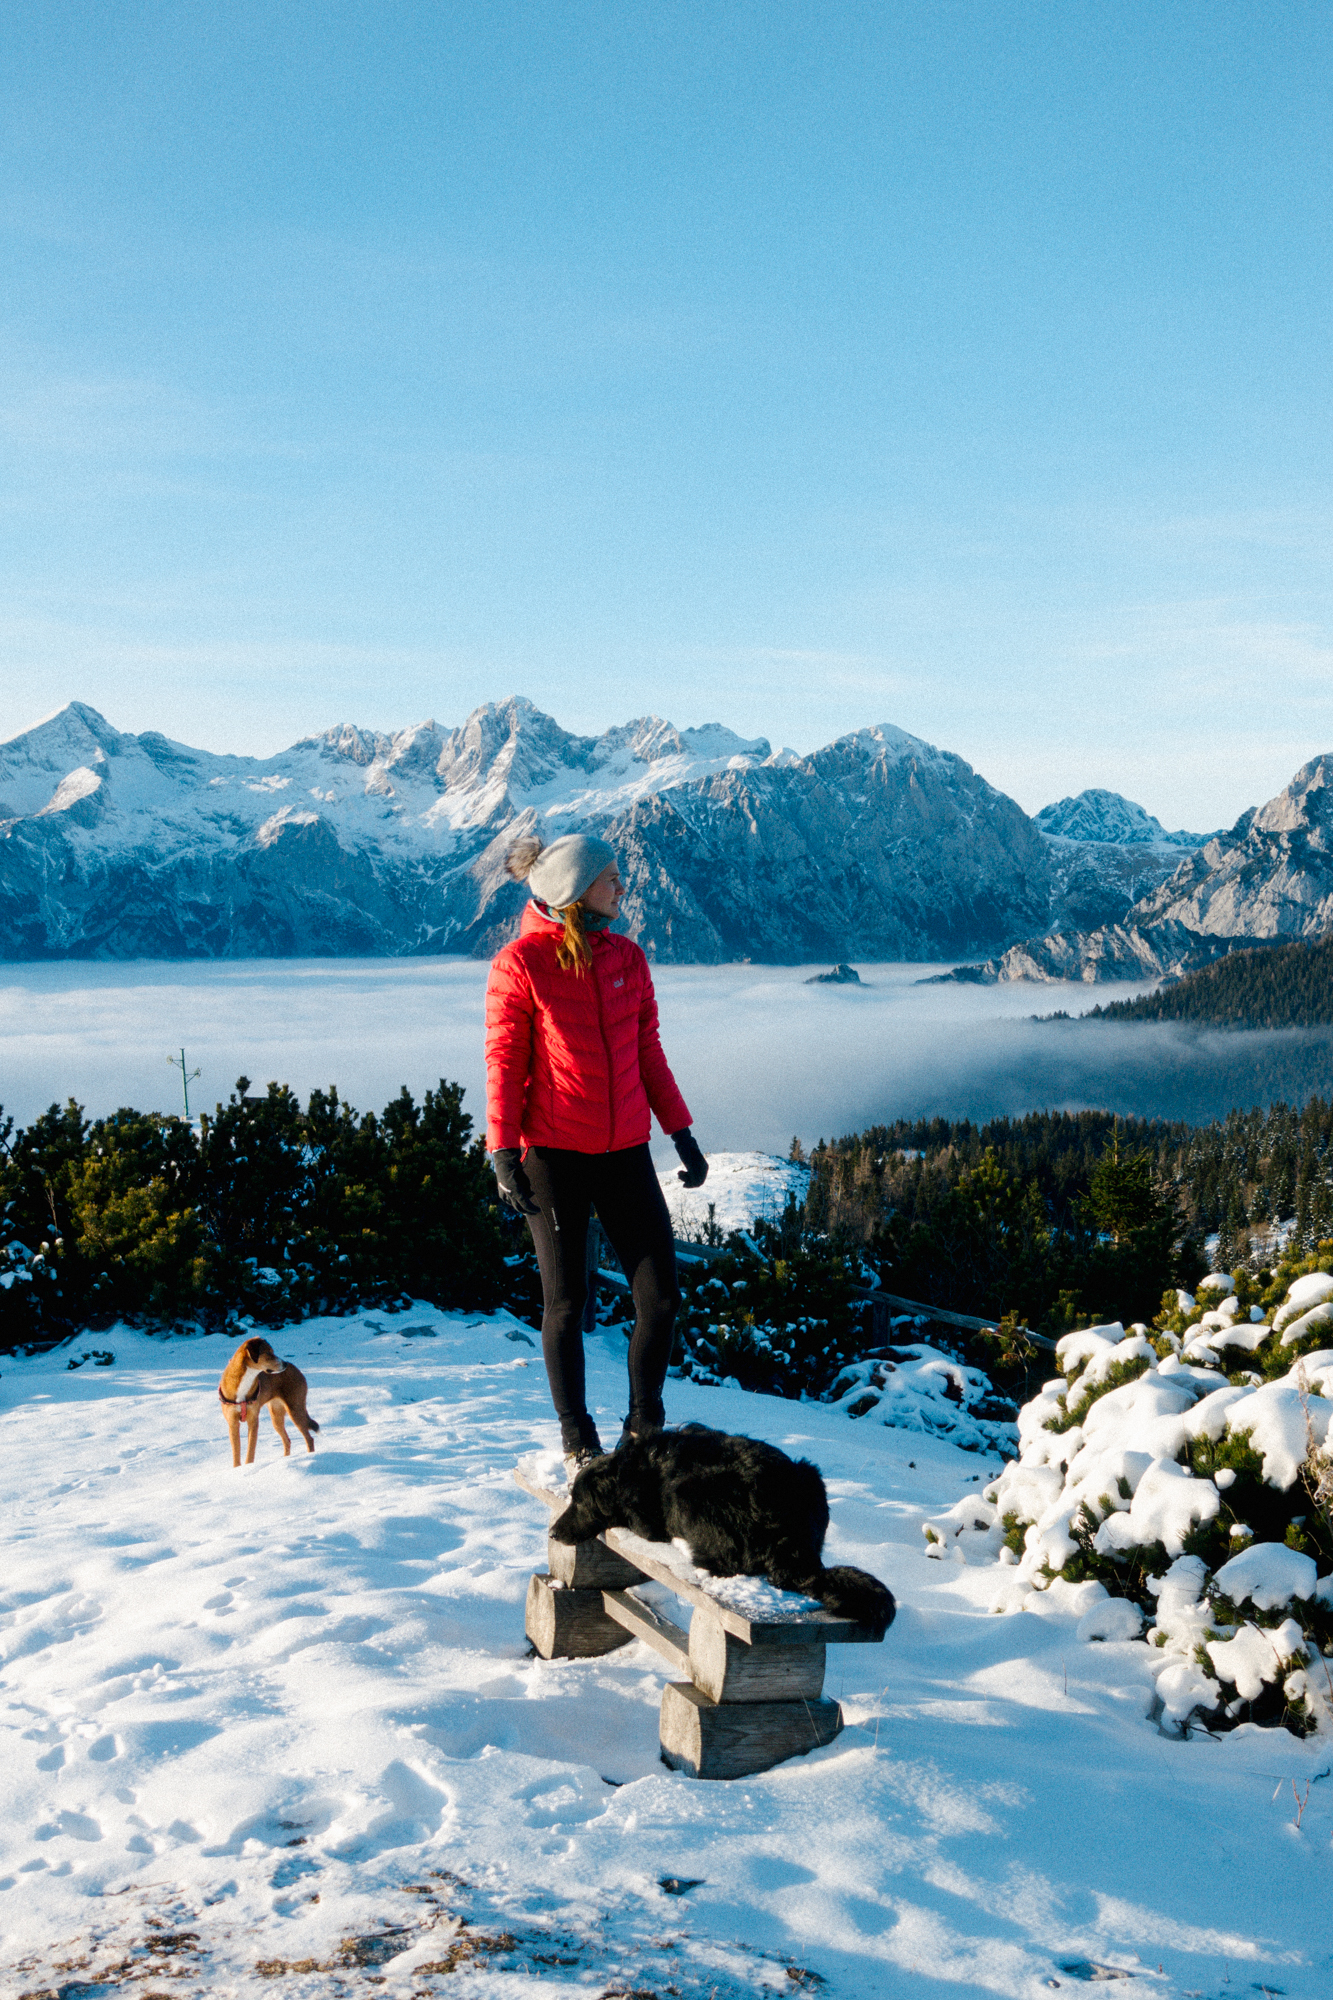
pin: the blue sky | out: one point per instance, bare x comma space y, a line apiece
797, 367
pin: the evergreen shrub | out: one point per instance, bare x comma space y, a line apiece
1150, 1470
266, 1209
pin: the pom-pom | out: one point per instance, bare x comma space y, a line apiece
522, 856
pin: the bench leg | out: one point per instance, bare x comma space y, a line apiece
708, 1739
726, 1669
570, 1624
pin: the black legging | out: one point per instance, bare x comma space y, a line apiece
628, 1198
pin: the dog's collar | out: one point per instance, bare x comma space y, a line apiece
234, 1402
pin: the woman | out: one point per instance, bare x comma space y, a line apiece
573, 1067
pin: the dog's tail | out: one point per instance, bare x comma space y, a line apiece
855, 1594
310, 1424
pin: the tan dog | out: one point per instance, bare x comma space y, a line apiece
255, 1376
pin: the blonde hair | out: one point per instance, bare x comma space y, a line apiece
573, 953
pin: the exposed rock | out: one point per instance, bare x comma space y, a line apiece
1116, 951
1269, 878
841, 975
1095, 884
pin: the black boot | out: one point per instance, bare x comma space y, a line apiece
641, 1422
580, 1444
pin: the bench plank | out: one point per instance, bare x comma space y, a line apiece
639, 1618
590, 1565
652, 1558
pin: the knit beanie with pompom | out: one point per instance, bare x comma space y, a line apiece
559, 874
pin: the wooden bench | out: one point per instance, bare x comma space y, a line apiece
752, 1690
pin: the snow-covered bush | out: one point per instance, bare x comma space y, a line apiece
1231, 1321
792, 1326
28, 1287
1150, 1478
917, 1388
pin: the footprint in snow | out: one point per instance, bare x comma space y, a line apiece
74, 1825
560, 1803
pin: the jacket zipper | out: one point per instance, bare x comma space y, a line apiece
606, 1049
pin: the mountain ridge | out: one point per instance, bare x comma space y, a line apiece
355, 841
1268, 879
1273, 986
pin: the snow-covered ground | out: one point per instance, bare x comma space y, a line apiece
741, 1189
283, 1718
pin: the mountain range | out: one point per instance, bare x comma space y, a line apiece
879, 846
1268, 880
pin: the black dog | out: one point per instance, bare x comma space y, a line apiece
742, 1507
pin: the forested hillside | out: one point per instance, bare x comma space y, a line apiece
274, 1209
1064, 1217
1277, 986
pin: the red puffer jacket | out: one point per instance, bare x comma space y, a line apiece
574, 1060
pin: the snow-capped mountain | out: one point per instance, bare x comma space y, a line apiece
878, 846
1108, 818
1105, 853
114, 845
1270, 877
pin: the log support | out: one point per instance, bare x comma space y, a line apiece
708, 1739
565, 1624
725, 1669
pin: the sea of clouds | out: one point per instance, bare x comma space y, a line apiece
760, 1054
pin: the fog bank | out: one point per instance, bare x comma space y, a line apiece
759, 1054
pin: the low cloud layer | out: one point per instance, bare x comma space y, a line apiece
758, 1053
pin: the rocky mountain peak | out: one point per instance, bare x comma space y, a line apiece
68, 757
75, 734
1304, 807
1111, 819
884, 743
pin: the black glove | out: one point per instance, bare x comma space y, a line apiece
512, 1181
693, 1161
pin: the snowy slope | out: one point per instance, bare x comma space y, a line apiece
283, 1718
741, 1189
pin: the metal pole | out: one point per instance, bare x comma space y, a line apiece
187, 1078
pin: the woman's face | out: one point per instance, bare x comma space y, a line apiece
603, 898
